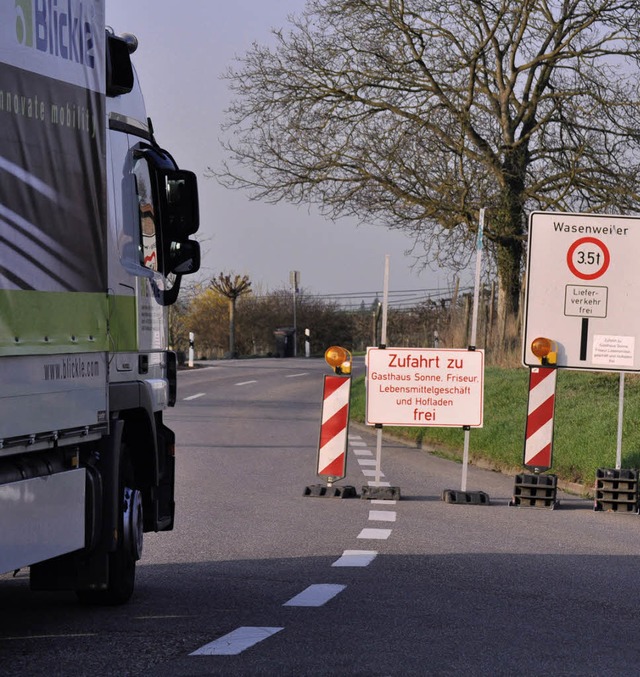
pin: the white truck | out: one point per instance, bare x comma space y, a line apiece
95, 226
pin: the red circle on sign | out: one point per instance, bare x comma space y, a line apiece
605, 255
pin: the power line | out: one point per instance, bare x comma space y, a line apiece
399, 299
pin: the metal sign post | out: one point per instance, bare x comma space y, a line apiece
463, 496
383, 345
620, 421
472, 344
379, 489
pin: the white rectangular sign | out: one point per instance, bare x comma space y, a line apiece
582, 289
583, 301
425, 387
613, 352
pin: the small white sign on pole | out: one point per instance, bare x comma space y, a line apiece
425, 387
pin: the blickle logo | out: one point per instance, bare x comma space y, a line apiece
61, 28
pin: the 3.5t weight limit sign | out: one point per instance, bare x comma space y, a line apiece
583, 290
588, 258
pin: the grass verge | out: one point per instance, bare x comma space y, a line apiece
585, 423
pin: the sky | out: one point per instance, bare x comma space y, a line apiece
184, 48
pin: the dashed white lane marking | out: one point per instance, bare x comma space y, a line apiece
304, 373
245, 383
316, 595
372, 473
382, 515
373, 483
382, 501
353, 443
160, 617
65, 636
366, 461
235, 642
195, 397
362, 452
355, 558
376, 534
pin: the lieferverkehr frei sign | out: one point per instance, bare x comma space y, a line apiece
425, 387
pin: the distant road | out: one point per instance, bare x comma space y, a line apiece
257, 579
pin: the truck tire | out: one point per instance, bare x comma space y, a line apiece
122, 561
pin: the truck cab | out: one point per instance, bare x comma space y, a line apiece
101, 219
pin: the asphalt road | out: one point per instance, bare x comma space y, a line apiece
258, 579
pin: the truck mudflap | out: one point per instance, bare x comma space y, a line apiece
166, 501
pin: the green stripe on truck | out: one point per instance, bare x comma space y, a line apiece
38, 323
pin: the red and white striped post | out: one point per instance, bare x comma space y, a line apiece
538, 444
332, 447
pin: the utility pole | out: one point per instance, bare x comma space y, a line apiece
294, 279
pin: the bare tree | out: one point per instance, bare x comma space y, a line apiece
418, 113
231, 287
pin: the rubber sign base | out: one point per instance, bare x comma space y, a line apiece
616, 490
465, 497
381, 493
535, 491
323, 491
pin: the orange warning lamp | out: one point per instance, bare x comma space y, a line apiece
339, 359
545, 350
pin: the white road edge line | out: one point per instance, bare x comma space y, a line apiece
195, 397
356, 558
235, 642
316, 595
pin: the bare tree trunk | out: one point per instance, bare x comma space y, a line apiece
509, 258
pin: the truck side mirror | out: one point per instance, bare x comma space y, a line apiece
180, 198
172, 217
119, 71
178, 194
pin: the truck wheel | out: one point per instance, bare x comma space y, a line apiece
122, 561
